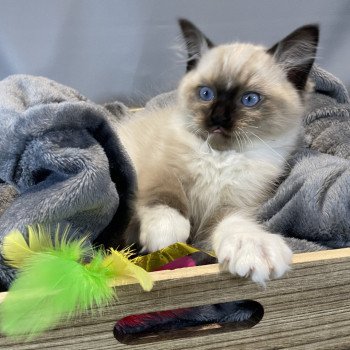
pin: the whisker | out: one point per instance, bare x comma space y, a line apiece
266, 144
251, 126
239, 141
244, 141
246, 136
193, 128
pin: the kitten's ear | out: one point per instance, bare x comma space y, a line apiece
196, 42
296, 53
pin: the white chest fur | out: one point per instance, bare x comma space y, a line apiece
240, 180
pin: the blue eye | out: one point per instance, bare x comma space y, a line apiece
250, 99
206, 94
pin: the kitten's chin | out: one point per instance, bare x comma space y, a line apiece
219, 141
217, 138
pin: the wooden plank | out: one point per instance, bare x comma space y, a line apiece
309, 308
321, 255
215, 269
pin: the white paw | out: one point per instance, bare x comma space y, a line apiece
256, 254
162, 226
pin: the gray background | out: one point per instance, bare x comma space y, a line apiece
114, 49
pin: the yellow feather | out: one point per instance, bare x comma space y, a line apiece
39, 238
120, 265
15, 249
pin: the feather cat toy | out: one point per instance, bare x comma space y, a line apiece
59, 278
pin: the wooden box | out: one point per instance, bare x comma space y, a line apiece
309, 308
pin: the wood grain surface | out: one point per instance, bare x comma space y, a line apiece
309, 308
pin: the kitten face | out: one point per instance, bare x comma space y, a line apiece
230, 72
236, 74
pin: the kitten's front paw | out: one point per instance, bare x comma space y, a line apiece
259, 254
162, 226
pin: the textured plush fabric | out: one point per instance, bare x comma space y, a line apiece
60, 161
313, 202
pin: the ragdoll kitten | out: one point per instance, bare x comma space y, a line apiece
206, 162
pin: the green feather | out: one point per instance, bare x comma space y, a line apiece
53, 286
58, 278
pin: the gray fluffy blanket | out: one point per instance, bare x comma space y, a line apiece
61, 162
313, 202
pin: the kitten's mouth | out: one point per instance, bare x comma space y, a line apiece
219, 130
